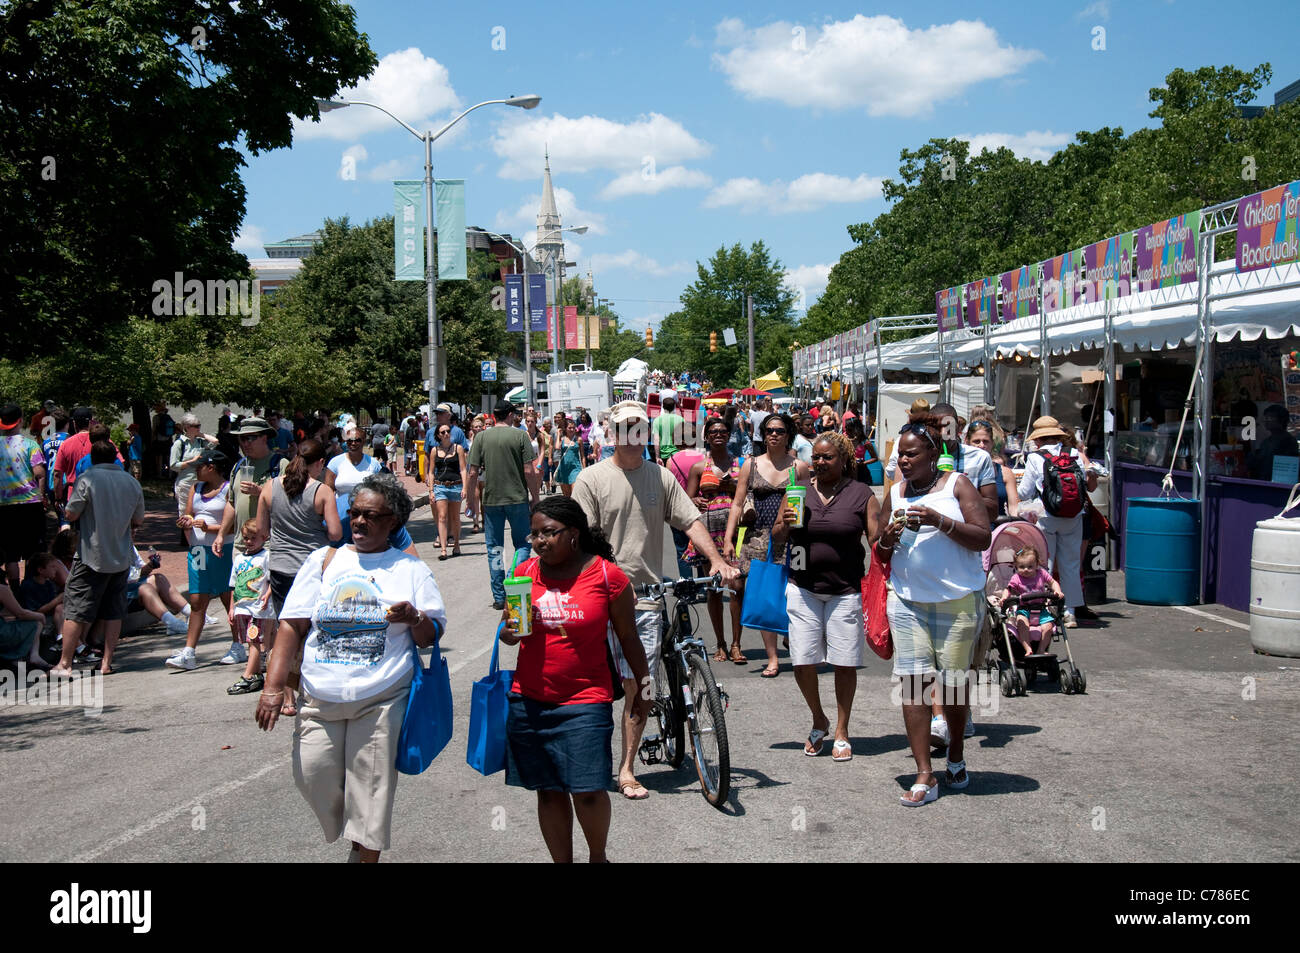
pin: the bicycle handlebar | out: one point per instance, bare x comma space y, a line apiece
685, 588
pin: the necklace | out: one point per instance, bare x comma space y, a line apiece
921, 491
829, 501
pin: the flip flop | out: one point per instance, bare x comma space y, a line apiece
635, 786
769, 673
738, 656
838, 751
720, 655
950, 774
442, 558
816, 738
931, 794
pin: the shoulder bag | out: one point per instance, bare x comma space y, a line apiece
489, 706
426, 726
763, 606
875, 612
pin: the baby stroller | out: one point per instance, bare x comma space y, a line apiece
1016, 671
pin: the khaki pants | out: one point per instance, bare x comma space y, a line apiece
345, 763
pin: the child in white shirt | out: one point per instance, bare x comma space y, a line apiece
251, 615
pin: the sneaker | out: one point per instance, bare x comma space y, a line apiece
183, 660
1084, 614
246, 685
237, 654
176, 625
970, 725
498, 606
209, 619
938, 732
1068, 620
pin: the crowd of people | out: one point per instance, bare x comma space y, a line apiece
300, 534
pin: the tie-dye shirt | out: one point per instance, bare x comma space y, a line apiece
19, 458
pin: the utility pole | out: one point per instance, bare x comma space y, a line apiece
749, 301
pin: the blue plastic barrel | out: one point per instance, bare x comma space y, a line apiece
1162, 551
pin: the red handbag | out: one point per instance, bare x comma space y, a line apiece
875, 615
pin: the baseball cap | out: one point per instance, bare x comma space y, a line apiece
82, 414
10, 414
442, 409
216, 458
504, 409
627, 411
669, 394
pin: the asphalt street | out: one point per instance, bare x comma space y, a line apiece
1166, 758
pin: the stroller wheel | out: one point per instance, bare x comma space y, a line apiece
1067, 679
1007, 683
1080, 682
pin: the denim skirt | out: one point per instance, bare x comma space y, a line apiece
552, 747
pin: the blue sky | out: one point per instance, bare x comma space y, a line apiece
676, 128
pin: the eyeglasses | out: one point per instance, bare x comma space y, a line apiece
540, 534
368, 515
352, 440
825, 456
920, 430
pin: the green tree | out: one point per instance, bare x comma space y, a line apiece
715, 301
119, 144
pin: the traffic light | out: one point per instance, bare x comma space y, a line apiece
713, 342
649, 337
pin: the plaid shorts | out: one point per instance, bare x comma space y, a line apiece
935, 636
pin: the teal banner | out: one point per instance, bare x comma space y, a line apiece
408, 230
450, 196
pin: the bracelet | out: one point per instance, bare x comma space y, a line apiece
272, 694
884, 547
952, 525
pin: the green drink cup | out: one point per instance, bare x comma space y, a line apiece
519, 603
795, 496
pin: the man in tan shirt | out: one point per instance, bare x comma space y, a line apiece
631, 499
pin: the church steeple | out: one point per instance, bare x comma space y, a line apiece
548, 217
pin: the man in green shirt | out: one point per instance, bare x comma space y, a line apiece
506, 453
666, 431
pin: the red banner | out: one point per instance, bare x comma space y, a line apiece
572, 340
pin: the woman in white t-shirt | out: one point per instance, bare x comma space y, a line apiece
346, 471
360, 609
937, 527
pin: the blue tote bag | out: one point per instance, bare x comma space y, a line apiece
763, 607
488, 708
426, 727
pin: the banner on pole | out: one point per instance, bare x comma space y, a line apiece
1058, 281
537, 302
570, 327
1019, 292
593, 331
947, 308
514, 302
1166, 252
1106, 269
450, 198
981, 302
408, 230
1266, 228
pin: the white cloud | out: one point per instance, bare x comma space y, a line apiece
875, 63
652, 182
810, 280
1035, 144
1099, 10
635, 261
413, 87
250, 240
805, 193
524, 216
394, 169
589, 143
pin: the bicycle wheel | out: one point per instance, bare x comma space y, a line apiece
668, 711
709, 733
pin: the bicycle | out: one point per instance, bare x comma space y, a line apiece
686, 696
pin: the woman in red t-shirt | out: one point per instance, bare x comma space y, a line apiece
561, 720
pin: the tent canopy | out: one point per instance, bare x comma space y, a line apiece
770, 381
631, 371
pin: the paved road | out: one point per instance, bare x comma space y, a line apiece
1161, 760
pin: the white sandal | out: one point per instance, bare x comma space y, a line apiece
816, 738
950, 775
839, 748
931, 794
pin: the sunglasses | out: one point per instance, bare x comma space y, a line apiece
368, 515
920, 430
775, 432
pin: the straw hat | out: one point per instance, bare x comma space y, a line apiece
1046, 427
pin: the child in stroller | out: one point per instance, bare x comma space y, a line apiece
1032, 613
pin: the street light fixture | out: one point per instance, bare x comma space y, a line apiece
431, 274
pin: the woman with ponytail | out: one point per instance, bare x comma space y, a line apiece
298, 516
561, 720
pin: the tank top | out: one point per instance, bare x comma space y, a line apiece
933, 567
296, 527
446, 468
211, 509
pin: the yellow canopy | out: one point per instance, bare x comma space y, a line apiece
769, 382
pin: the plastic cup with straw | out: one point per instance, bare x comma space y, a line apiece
519, 599
795, 496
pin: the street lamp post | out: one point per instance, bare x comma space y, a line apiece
528, 328
431, 274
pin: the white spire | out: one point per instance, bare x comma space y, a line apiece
548, 217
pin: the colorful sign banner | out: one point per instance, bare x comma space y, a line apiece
981, 302
537, 302
450, 199
1266, 228
947, 309
408, 230
1166, 252
1019, 292
570, 327
514, 302
1106, 269
1058, 282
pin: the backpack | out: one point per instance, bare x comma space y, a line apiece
1063, 485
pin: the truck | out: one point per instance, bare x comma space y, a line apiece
579, 388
